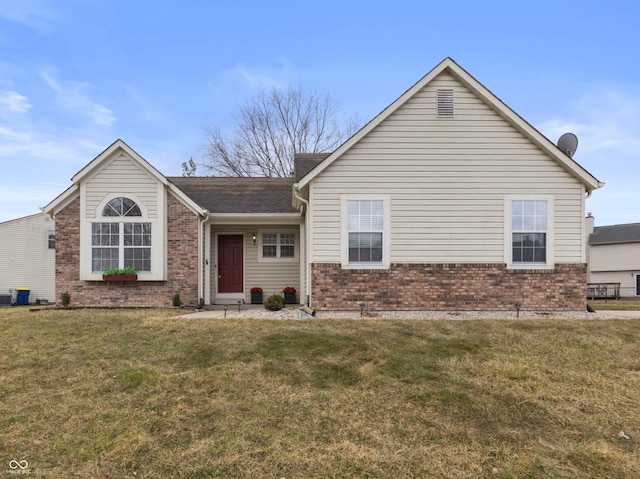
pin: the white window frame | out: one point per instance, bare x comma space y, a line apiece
158, 237
121, 247
508, 233
344, 231
278, 258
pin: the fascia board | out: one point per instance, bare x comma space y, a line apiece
62, 200
526, 128
375, 122
474, 85
118, 144
254, 218
186, 200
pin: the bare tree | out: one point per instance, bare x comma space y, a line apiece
271, 128
189, 168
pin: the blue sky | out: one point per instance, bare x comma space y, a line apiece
75, 75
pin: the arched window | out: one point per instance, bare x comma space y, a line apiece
123, 242
121, 207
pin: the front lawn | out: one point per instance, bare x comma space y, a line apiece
620, 304
139, 393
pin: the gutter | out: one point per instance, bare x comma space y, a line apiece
300, 198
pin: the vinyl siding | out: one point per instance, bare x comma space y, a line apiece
122, 175
615, 257
626, 279
271, 276
447, 178
25, 258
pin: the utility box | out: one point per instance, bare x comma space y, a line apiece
22, 296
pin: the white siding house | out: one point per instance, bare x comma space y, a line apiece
447, 200
614, 260
446, 164
27, 257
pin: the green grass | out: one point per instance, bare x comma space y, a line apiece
621, 304
124, 393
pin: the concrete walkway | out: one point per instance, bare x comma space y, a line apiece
617, 315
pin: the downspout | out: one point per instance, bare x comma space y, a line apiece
300, 198
203, 259
304, 268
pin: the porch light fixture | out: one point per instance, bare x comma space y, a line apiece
254, 238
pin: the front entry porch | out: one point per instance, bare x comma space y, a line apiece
241, 257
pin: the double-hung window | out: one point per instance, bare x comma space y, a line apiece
366, 225
124, 240
365, 238
530, 222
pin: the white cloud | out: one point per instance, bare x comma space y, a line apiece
74, 97
246, 77
146, 110
12, 101
36, 14
606, 121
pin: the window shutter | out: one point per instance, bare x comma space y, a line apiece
445, 103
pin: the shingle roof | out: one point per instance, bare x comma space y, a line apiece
238, 195
627, 233
303, 163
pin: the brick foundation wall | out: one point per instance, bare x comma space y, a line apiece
449, 287
182, 264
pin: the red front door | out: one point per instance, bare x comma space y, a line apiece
230, 264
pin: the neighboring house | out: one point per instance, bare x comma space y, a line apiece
27, 258
614, 260
447, 200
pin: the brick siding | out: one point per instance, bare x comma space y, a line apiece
182, 264
449, 287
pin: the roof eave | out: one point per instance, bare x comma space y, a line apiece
118, 144
186, 200
255, 218
62, 200
591, 183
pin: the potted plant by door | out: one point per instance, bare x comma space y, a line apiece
289, 295
120, 274
256, 295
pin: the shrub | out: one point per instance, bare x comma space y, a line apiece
275, 302
65, 299
177, 302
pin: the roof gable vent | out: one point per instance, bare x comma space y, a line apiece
445, 103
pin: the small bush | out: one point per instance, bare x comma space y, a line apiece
65, 299
177, 302
275, 302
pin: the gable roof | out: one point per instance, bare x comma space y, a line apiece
94, 165
627, 233
450, 66
238, 195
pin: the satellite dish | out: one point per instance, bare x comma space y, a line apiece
568, 143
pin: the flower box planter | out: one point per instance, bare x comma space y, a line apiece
120, 277
290, 298
256, 298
